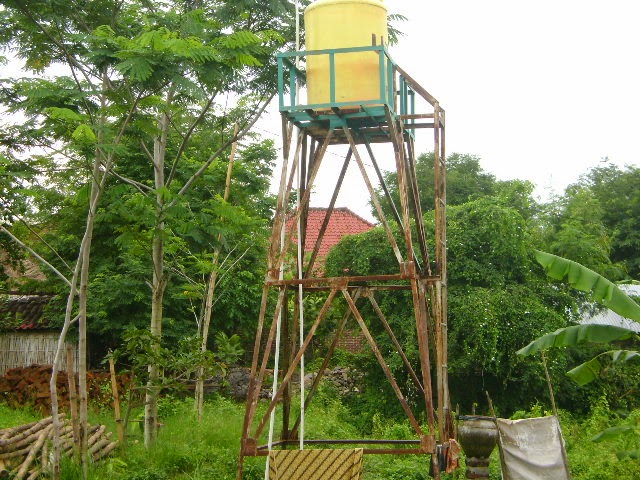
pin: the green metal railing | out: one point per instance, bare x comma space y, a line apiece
398, 102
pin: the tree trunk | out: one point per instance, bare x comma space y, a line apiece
82, 270
206, 318
159, 281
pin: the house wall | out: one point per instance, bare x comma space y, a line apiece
21, 349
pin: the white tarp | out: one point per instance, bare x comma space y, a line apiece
532, 449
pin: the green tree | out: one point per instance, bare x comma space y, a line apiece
618, 192
466, 180
578, 232
142, 80
595, 222
497, 293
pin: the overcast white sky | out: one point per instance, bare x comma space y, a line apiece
539, 90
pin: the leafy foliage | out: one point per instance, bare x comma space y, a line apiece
582, 278
595, 221
576, 335
466, 181
128, 63
591, 370
605, 292
618, 192
140, 348
496, 294
229, 348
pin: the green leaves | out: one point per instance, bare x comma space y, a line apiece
612, 433
605, 292
229, 348
589, 371
582, 278
240, 39
577, 335
139, 69
581, 334
65, 114
84, 135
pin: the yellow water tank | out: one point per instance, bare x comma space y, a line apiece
333, 24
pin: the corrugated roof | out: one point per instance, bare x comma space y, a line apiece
630, 289
608, 317
342, 222
23, 312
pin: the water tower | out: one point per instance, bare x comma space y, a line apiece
356, 96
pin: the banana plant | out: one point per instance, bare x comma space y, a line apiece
603, 291
581, 334
611, 296
580, 277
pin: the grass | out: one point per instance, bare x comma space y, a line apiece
188, 449
11, 418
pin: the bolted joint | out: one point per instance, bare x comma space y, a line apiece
408, 270
339, 283
249, 447
273, 274
428, 444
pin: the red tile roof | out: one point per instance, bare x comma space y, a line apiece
342, 222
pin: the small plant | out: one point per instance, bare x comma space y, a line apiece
179, 364
229, 348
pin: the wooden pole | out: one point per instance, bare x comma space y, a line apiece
116, 399
35, 448
548, 377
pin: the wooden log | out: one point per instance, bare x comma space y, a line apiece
4, 469
99, 445
25, 442
93, 438
68, 443
44, 455
24, 468
29, 440
116, 399
105, 451
6, 433
15, 454
34, 474
25, 433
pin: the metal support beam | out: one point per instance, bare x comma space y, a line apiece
391, 121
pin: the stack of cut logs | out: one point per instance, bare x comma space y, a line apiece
25, 450
30, 386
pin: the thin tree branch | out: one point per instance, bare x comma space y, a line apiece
187, 136
146, 150
233, 265
70, 58
141, 187
215, 155
54, 269
55, 252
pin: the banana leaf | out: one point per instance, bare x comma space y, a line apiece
578, 276
587, 372
576, 335
613, 433
634, 454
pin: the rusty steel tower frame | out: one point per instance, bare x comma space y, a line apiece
403, 110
